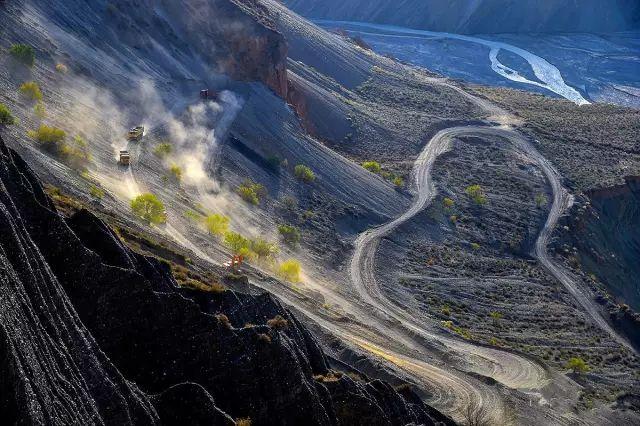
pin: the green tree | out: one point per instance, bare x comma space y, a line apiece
372, 166
304, 173
6, 117
149, 208
49, 137
290, 234
217, 224
31, 91
23, 53
476, 193
237, 243
578, 365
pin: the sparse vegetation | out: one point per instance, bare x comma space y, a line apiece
96, 192
541, 200
290, 270
578, 365
39, 110
476, 193
264, 249
372, 166
495, 316
446, 310
304, 173
278, 323
216, 224
31, 91
6, 117
162, 149
398, 182
176, 172
149, 208
23, 53
251, 192
290, 234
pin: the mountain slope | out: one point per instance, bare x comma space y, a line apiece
482, 16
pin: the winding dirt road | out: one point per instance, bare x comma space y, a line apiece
507, 368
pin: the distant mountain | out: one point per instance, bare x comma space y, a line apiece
482, 16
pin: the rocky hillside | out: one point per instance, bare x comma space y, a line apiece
482, 16
92, 333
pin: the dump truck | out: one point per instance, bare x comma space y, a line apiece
125, 158
136, 133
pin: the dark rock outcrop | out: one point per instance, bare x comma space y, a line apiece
91, 332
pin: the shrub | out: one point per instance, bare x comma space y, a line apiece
263, 248
304, 173
62, 68
578, 365
251, 192
476, 193
446, 310
290, 270
176, 172
216, 224
398, 182
49, 137
23, 53
541, 200
31, 91
290, 234
75, 154
278, 323
246, 421
372, 166
96, 192
162, 149
216, 288
6, 117
448, 203
39, 110
475, 246
495, 316
237, 243
149, 208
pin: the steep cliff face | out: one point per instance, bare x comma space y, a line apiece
83, 318
482, 16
